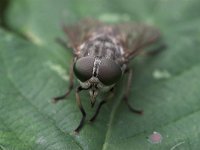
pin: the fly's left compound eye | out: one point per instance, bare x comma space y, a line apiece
83, 68
109, 72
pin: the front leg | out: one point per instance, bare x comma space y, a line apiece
127, 92
78, 100
71, 84
101, 104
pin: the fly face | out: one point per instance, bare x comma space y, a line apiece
97, 74
102, 53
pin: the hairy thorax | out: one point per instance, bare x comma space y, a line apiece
102, 44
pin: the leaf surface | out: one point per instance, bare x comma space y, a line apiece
33, 71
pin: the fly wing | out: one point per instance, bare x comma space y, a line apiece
79, 32
136, 37
133, 37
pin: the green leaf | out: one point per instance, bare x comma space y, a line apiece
33, 71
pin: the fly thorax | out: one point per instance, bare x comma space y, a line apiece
101, 45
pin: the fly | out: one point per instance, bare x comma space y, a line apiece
102, 53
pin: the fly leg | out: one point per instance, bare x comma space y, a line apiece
69, 44
101, 104
97, 110
78, 100
62, 42
71, 84
155, 51
127, 92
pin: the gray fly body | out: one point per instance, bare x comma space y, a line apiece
102, 45
102, 53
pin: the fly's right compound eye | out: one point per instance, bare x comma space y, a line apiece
109, 72
83, 68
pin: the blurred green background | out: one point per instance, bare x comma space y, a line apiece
34, 68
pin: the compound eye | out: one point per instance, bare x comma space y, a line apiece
109, 72
83, 68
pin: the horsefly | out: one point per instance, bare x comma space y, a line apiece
102, 53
